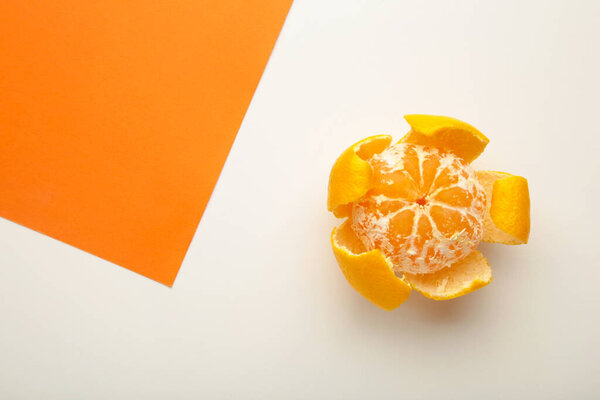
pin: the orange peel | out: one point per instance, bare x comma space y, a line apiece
507, 218
351, 175
446, 133
374, 186
368, 272
471, 273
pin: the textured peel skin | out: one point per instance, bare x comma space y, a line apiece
368, 272
351, 175
507, 218
446, 133
468, 274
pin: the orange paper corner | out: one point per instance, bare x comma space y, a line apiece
116, 118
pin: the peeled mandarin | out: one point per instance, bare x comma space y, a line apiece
424, 211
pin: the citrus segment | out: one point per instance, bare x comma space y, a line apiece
507, 217
368, 272
462, 277
424, 211
446, 133
352, 176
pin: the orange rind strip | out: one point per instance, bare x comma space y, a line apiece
507, 217
463, 277
352, 176
369, 273
447, 134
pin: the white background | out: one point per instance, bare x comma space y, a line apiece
260, 309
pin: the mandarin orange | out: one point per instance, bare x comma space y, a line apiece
415, 211
424, 211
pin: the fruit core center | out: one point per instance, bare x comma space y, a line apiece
421, 201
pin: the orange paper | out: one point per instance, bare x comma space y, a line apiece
116, 117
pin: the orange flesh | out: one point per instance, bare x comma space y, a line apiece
425, 210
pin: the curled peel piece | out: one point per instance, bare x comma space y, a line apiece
446, 133
369, 273
469, 274
507, 217
352, 176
